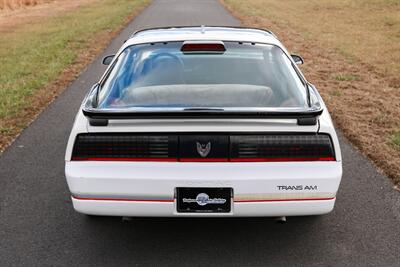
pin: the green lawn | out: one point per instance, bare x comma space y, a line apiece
396, 140
35, 55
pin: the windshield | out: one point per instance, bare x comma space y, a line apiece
160, 75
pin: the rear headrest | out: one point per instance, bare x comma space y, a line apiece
220, 95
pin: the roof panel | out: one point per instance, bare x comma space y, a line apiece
202, 33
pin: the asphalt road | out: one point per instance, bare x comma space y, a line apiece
39, 227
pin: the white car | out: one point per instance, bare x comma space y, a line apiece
203, 121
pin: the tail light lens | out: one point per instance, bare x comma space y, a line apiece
172, 147
312, 147
120, 147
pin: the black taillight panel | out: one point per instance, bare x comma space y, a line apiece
124, 147
203, 147
282, 147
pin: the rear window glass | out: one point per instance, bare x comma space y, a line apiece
160, 75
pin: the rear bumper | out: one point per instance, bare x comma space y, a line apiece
168, 209
148, 188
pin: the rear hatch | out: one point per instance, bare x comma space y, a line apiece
203, 101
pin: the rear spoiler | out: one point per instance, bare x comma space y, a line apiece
100, 117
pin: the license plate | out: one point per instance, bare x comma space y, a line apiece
204, 200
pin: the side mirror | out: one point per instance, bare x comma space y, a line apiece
297, 59
108, 59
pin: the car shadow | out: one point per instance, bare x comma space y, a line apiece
202, 237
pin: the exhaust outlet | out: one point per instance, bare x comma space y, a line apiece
281, 219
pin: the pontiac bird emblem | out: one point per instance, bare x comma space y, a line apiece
203, 149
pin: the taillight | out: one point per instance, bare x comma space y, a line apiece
281, 147
200, 147
125, 147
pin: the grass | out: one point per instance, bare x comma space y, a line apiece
395, 140
347, 77
33, 56
336, 93
368, 30
352, 53
14, 4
